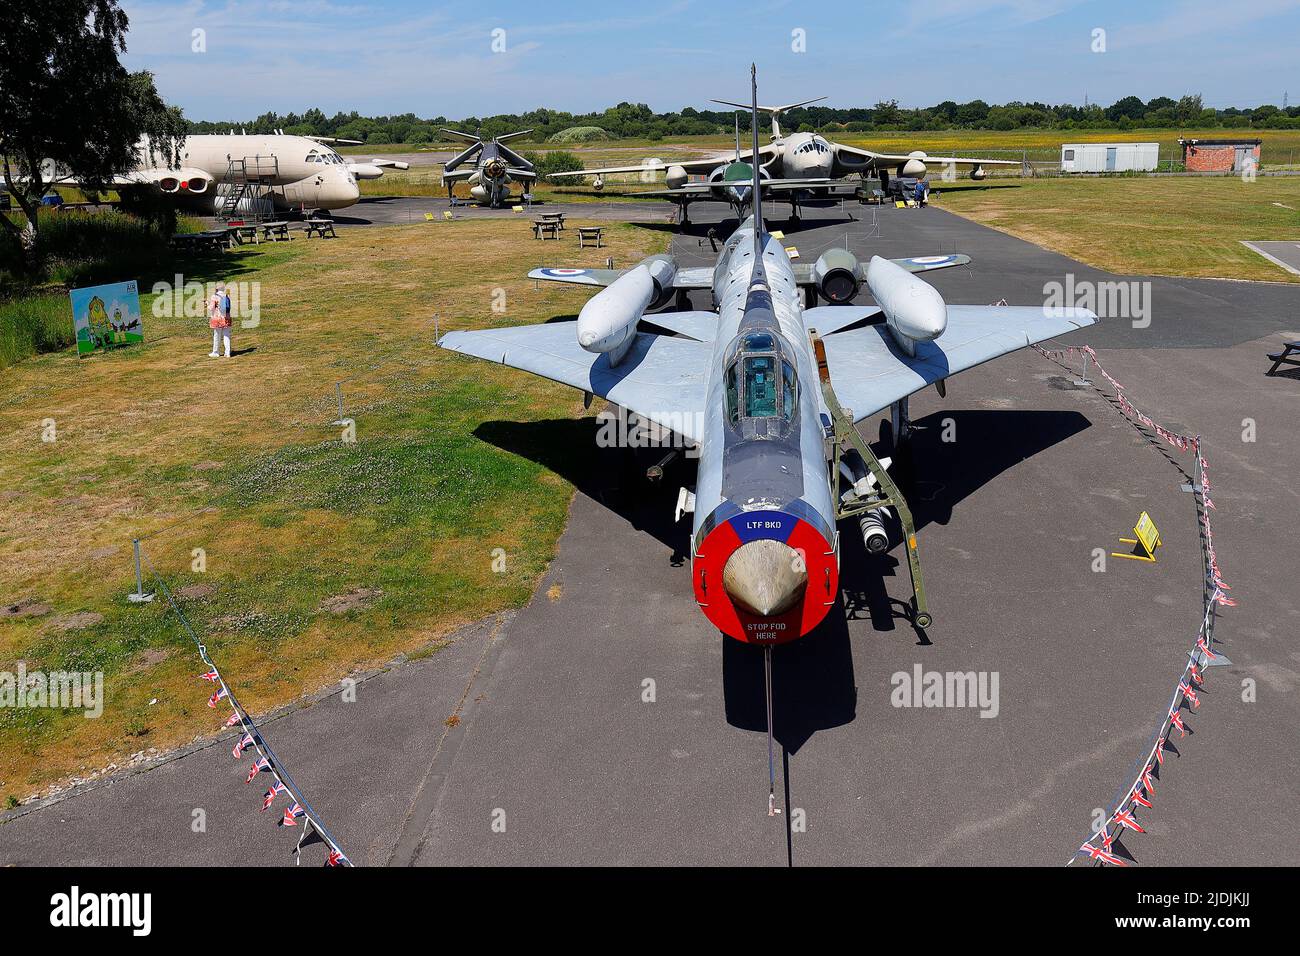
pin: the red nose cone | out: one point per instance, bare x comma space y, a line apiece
185, 184
732, 600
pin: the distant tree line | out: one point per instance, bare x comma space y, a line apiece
636, 120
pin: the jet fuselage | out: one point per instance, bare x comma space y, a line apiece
765, 566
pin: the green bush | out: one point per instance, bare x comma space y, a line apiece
29, 326
556, 161
580, 134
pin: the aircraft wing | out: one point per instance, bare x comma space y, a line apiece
696, 277
803, 271
870, 372
698, 165
871, 158
701, 277
661, 378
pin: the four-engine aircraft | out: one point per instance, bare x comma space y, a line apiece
495, 167
292, 172
806, 156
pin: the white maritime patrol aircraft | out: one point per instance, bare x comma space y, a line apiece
297, 172
761, 387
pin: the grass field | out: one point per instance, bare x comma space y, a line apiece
320, 556
1152, 226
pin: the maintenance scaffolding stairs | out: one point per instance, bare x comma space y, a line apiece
884, 492
245, 191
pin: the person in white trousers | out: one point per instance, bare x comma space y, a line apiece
219, 319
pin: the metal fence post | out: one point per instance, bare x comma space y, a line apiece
139, 597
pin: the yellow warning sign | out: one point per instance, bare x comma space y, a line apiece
1147, 540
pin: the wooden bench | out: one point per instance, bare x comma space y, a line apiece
546, 228
594, 234
275, 231
321, 227
1284, 357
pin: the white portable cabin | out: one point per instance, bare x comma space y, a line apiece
1109, 157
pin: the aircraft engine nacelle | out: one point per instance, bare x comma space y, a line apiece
978, 174
915, 166
479, 192
598, 184
914, 310
676, 177
172, 181
838, 275
607, 323
663, 272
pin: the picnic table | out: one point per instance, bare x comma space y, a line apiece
1284, 357
588, 234
321, 227
210, 240
275, 231
242, 232
546, 228
557, 217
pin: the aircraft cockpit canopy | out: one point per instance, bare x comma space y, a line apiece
328, 157
762, 387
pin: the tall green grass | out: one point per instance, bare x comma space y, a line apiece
78, 248
41, 323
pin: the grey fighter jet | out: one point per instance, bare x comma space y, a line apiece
495, 167
762, 387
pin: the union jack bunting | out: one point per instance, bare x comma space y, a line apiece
258, 767
1125, 819
269, 799
1098, 853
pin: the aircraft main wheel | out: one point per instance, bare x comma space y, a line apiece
924, 620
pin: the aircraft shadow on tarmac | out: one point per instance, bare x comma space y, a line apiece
813, 682
616, 477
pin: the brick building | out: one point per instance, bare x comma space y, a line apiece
1219, 155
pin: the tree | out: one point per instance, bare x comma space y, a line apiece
65, 97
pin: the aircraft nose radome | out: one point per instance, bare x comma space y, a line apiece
765, 577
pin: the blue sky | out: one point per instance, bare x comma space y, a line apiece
434, 59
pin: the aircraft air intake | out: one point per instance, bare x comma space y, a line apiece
765, 577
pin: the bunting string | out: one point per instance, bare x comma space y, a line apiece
313, 828
1141, 791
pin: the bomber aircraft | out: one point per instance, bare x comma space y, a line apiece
807, 156
233, 172
495, 167
763, 386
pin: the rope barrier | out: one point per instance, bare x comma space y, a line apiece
1141, 791
267, 760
